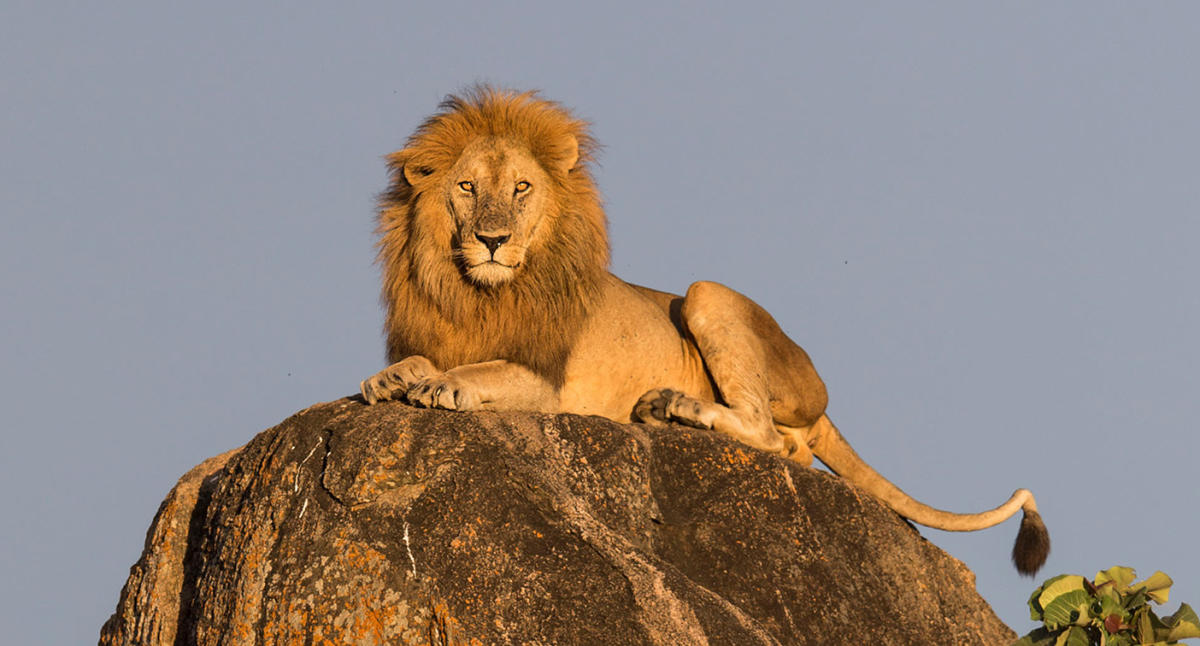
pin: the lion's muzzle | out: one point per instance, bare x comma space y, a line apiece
493, 240
491, 255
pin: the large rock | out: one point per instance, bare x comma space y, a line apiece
349, 524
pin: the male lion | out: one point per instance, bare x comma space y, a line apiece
494, 252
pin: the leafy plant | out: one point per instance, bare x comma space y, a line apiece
1112, 610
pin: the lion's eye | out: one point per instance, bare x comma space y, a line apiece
522, 186
467, 187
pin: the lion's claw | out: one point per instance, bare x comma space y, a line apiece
444, 391
395, 380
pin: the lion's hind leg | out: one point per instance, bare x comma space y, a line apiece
769, 392
716, 321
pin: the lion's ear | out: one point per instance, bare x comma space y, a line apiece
406, 164
415, 173
567, 153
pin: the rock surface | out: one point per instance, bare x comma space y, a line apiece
349, 524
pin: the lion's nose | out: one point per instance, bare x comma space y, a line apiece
492, 241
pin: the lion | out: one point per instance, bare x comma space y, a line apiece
494, 253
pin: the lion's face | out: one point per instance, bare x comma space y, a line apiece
498, 196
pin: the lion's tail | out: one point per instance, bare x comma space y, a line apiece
1033, 541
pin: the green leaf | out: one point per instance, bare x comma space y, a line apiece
1143, 625
1073, 636
1039, 637
1109, 605
1184, 624
1158, 586
1037, 604
1185, 613
1059, 586
1160, 630
1114, 611
1067, 608
1120, 577
1136, 600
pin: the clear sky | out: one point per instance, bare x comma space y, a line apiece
980, 219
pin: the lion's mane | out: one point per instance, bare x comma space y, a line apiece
432, 309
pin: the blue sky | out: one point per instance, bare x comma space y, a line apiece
979, 219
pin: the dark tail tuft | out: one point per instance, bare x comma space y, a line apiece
1032, 546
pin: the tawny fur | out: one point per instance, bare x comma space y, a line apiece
494, 251
431, 310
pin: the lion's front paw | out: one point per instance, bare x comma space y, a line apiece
444, 390
395, 380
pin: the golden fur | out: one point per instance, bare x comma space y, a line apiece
494, 255
431, 310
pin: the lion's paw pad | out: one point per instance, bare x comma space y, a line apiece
653, 407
